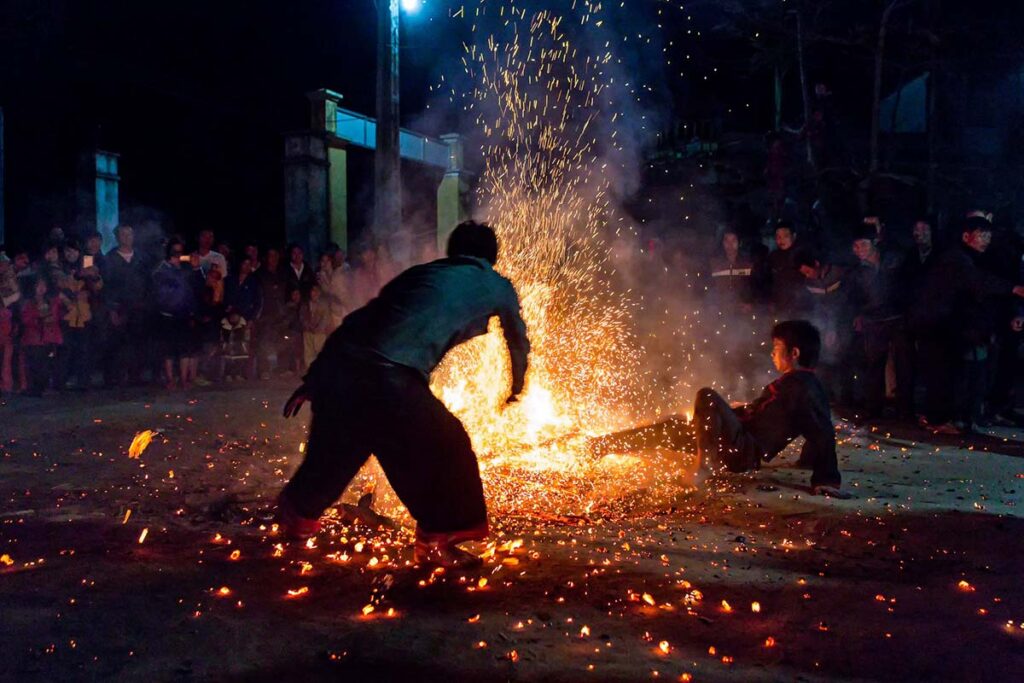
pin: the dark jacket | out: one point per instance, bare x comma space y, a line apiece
273, 292
875, 290
955, 295
826, 303
795, 404
913, 276
786, 281
177, 289
729, 284
245, 297
126, 284
303, 282
423, 313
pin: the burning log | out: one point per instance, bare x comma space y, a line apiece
673, 434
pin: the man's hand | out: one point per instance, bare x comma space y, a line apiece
514, 398
1019, 291
294, 404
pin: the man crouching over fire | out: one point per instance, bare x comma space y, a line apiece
796, 404
370, 395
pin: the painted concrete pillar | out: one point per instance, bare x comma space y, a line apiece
453, 193
337, 199
306, 191
98, 196
324, 118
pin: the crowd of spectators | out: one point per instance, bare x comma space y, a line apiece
75, 318
914, 329
928, 332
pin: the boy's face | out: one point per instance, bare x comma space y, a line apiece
784, 238
730, 242
863, 249
809, 272
314, 294
783, 357
922, 234
978, 240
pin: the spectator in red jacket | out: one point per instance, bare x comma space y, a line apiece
41, 338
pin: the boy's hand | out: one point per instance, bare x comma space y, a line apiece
294, 404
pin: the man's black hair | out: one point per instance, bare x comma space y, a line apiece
474, 239
864, 231
787, 225
171, 244
973, 223
800, 334
806, 256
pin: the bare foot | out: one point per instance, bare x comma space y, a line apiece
831, 492
447, 556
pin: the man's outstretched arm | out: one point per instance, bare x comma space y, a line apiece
514, 328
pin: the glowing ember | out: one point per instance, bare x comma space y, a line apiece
297, 592
140, 443
965, 587
755, 607
142, 536
368, 609
223, 591
664, 647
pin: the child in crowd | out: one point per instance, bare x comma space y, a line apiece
234, 347
316, 324
41, 337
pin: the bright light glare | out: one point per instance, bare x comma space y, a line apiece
412, 6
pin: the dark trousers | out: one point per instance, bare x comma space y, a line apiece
1002, 397
389, 412
972, 383
125, 353
41, 362
878, 339
940, 361
77, 364
723, 441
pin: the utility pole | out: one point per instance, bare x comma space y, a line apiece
387, 215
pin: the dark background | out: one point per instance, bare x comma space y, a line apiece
195, 95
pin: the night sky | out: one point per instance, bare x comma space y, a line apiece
195, 95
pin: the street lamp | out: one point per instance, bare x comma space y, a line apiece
387, 204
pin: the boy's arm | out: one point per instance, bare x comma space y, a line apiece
819, 449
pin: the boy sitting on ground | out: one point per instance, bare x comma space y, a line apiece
796, 404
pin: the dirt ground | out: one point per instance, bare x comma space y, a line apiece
157, 568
